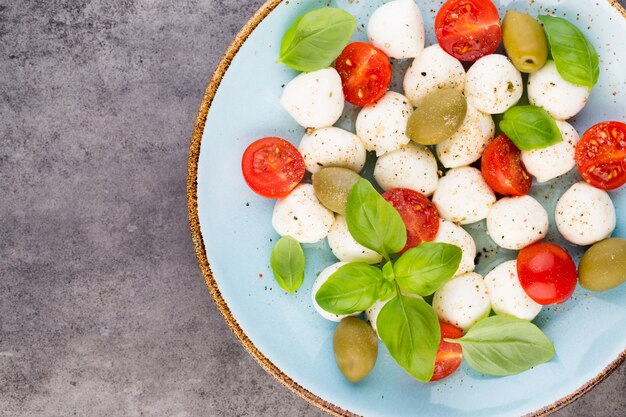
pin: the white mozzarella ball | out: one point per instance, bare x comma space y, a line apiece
301, 216
397, 29
493, 84
562, 99
332, 147
516, 222
585, 215
432, 70
371, 314
456, 235
382, 125
462, 301
413, 167
507, 295
314, 99
467, 144
551, 162
321, 279
463, 196
345, 248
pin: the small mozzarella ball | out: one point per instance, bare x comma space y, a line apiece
345, 248
432, 70
493, 85
413, 167
551, 162
562, 99
314, 99
507, 295
321, 279
402, 39
462, 301
382, 125
301, 216
332, 147
467, 144
585, 215
463, 196
516, 222
456, 235
372, 313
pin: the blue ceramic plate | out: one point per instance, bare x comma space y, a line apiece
233, 234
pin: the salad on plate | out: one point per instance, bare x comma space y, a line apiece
475, 128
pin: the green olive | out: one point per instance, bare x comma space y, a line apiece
332, 186
603, 266
524, 41
438, 116
356, 348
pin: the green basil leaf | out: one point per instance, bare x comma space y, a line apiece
373, 222
287, 262
388, 273
410, 329
351, 289
316, 39
387, 290
530, 127
502, 345
575, 57
426, 268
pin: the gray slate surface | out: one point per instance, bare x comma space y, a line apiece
103, 310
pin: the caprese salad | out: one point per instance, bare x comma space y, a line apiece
405, 270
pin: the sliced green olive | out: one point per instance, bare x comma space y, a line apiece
356, 348
524, 41
332, 186
603, 266
439, 115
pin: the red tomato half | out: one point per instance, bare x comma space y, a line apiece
420, 216
272, 167
468, 29
449, 355
365, 73
503, 169
601, 155
547, 273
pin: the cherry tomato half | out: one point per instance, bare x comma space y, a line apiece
449, 355
468, 29
420, 215
272, 167
365, 73
547, 273
601, 155
503, 169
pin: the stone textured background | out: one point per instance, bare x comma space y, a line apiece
103, 310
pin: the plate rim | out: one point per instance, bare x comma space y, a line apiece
203, 262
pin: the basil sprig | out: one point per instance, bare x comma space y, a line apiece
287, 262
373, 222
352, 288
409, 327
575, 57
530, 127
502, 345
316, 39
426, 268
